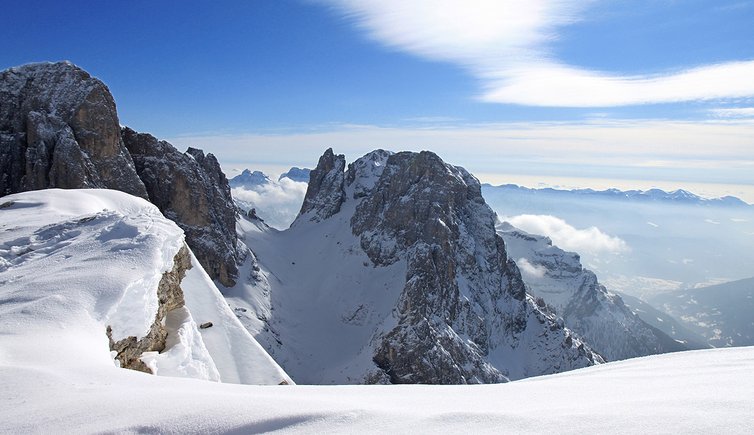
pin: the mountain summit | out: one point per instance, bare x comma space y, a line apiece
396, 261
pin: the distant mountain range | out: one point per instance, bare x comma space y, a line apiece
249, 179
651, 195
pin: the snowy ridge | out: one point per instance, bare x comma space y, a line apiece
73, 262
587, 307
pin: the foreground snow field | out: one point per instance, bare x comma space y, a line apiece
708, 391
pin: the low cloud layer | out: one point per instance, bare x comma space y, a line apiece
530, 270
277, 202
587, 241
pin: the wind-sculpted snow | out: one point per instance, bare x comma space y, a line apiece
81, 270
398, 261
598, 316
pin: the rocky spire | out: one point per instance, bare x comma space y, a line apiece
325, 193
59, 128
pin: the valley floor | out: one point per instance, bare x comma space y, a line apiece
708, 391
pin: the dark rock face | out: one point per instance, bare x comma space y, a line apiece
59, 128
325, 194
170, 296
463, 315
190, 189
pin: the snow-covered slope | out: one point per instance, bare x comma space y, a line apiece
597, 315
698, 392
393, 273
75, 262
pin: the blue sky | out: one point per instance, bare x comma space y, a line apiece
657, 92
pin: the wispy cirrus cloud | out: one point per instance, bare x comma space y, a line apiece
507, 44
733, 112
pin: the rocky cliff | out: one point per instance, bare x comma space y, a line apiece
59, 128
190, 189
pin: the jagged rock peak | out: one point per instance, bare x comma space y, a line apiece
59, 128
463, 314
190, 189
325, 193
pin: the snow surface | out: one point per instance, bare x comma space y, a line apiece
73, 262
709, 391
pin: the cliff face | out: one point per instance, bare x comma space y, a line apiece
59, 128
190, 189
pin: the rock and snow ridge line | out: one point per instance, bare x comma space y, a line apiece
77, 263
395, 259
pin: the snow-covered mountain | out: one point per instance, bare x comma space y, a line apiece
249, 179
723, 314
393, 272
95, 279
252, 180
296, 174
557, 279
277, 202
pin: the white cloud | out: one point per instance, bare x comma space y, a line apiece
733, 112
277, 203
530, 270
506, 44
584, 241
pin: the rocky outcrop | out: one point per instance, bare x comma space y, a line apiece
325, 194
59, 128
586, 306
463, 315
190, 189
170, 296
